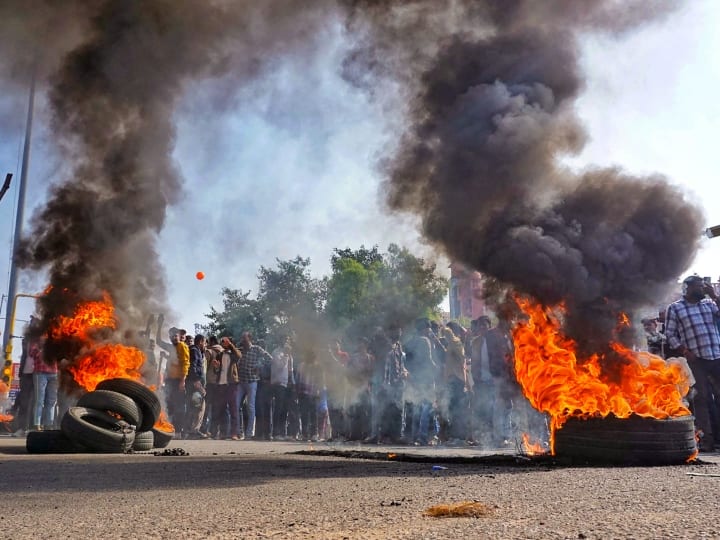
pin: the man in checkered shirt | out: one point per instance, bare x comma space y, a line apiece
691, 327
253, 358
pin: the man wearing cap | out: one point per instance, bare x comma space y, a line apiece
690, 327
177, 367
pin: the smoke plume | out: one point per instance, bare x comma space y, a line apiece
489, 89
491, 114
113, 72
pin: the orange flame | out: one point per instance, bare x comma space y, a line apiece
107, 362
558, 383
88, 316
6, 417
163, 424
532, 448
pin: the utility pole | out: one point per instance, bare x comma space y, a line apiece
12, 287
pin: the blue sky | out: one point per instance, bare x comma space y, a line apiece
290, 168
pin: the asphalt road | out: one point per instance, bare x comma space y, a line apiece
226, 489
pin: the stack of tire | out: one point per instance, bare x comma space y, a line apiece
117, 417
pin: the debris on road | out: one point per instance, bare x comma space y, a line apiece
462, 509
172, 452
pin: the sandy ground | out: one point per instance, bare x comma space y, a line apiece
226, 489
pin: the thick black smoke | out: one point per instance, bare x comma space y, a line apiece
491, 114
489, 89
113, 72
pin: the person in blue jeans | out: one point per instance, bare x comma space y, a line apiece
45, 382
420, 389
253, 358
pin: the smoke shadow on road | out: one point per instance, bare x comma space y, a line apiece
114, 472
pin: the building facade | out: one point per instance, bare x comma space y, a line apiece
466, 300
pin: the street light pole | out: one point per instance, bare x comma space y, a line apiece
12, 287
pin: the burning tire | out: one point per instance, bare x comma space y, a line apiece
627, 441
144, 441
162, 438
145, 398
97, 430
114, 402
51, 442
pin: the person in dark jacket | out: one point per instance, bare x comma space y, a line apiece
225, 374
195, 389
491, 355
420, 388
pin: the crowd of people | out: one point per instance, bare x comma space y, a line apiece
442, 384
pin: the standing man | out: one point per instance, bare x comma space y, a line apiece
420, 388
390, 401
25, 400
281, 382
227, 407
458, 383
45, 383
195, 389
178, 363
690, 327
213, 355
378, 347
491, 353
253, 357
654, 339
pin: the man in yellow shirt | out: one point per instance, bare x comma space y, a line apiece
176, 371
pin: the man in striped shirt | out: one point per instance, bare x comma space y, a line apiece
691, 328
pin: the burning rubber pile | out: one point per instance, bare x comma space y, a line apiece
120, 416
633, 413
115, 412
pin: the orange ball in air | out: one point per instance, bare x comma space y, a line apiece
200, 275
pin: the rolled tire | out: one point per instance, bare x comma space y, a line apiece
52, 441
162, 438
144, 397
114, 402
97, 430
144, 441
627, 441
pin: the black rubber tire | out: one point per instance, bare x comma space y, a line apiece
144, 397
114, 402
162, 438
97, 430
144, 441
627, 441
52, 441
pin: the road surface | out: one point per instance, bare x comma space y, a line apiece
247, 489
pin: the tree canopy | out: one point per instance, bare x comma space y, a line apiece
365, 290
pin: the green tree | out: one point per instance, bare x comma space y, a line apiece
289, 293
368, 289
352, 286
368, 258
240, 313
411, 287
